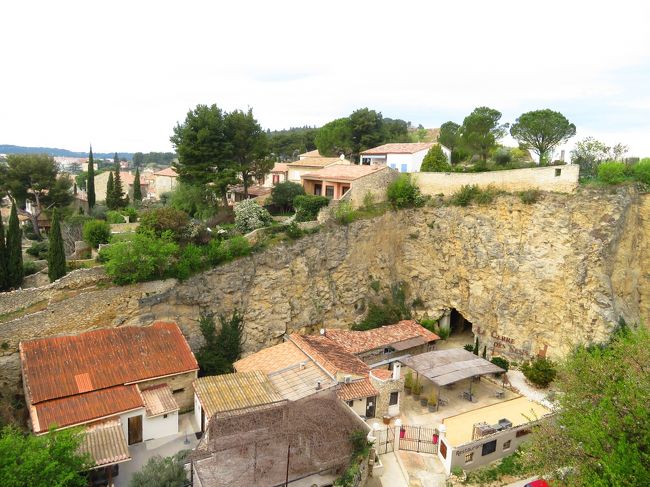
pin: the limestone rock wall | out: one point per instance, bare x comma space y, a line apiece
531, 278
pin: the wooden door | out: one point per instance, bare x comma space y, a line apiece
135, 429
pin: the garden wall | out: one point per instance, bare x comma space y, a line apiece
561, 179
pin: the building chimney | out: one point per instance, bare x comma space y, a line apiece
322, 331
397, 370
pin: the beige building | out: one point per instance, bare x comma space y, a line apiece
101, 180
311, 164
166, 181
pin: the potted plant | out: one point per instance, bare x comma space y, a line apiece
433, 402
424, 400
416, 389
408, 382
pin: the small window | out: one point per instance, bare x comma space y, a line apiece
164, 416
404, 168
523, 432
365, 161
558, 172
178, 391
329, 191
489, 447
350, 403
469, 457
393, 166
394, 398
387, 350
506, 445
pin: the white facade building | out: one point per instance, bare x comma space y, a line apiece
405, 157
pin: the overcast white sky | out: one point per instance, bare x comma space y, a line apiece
120, 74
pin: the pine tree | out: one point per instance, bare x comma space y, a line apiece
485, 352
116, 160
90, 181
56, 267
110, 192
137, 190
14, 250
3, 259
476, 347
119, 198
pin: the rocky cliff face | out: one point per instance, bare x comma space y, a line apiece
531, 278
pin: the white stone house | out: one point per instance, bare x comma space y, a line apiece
405, 157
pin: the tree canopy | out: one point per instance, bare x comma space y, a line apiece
481, 130
600, 435
435, 160
56, 266
542, 131
222, 348
450, 135
90, 180
282, 194
161, 472
286, 145
42, 461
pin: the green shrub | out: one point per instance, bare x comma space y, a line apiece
147, 257
161, 220
435, 161
250, 216
502, 156
293, 231
114, 217
501, 362
96, 232
487, 195
540, 372
469, 347
530, 196
375, 285
611, 172
443, 333
390, 311
98, 212
29, 268
283, 194
343, 213
429, 324
368, 200
131, 214
39, 250
308, 205
404, 193
190, 262
641, 171
222, 251
464, 195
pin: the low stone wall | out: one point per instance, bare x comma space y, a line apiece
561, 179
375, 184
124, 227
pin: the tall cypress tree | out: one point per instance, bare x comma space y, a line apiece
14, 250
116, 160
90, 183
110, 192
137, 190
119, 199
56, 267
4, 284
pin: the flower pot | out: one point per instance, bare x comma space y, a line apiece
416, 396
424, 401
432, 407
386, 419
407, 390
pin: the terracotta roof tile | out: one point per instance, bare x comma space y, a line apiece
362, 341
280, 167
168, 171
128, 178
382, 374
330, 355
272, 359
82, 408
311, 153
105, 443
344, 172
400, 148
318, 162
356, 390
62, 366
158, 400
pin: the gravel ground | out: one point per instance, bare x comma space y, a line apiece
518, 380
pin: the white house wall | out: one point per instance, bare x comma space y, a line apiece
152, 428
197, 410
359, 406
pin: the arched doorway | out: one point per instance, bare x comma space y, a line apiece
460, 330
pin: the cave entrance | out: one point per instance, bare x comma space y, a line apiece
458, 324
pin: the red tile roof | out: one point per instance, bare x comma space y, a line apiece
382, 374
311, 153
83, 408
356, 390
69, 365
168, 171
128, 179
343, 172
362, 341
401, 148
330, 355
280, 167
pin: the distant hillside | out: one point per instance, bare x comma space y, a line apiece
51, 151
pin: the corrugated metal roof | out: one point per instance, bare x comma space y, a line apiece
300, 380
159, 400
67, 365
356, 390
105, 443
86, 407
444, 367
229, 392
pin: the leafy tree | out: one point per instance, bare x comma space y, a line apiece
600, 435
36, 177
367, 130
110, 192
542, 131
161, 472
588, 154
96, 232
138, 160
56, 267
335, 138
395, 130
285, 145
540, 371
223, 348
435, 160
308, 205
4, 272
404, 193
42, 461
248, 146
204, 151
282, 194
137, 190
90, 178
161, 220
14, 250
196, 200
481, 130
450, 135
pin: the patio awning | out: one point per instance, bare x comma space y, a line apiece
105, 443
409, 343
444, 367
